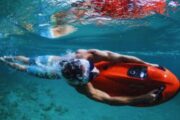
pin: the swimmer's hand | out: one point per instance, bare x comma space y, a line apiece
158, 66
155, 65
151, 97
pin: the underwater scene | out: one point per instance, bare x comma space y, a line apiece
28, 28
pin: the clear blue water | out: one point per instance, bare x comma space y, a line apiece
23, 97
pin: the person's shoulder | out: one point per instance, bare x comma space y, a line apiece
93, 50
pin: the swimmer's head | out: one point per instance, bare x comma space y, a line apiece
77, 71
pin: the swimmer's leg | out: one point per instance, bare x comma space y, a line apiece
14, 65
22, 59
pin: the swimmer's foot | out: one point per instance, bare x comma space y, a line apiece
8, 58
2, 59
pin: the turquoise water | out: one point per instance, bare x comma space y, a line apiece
23, 97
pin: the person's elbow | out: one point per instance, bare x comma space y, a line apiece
93, 94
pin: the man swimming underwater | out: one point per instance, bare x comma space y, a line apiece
79, 70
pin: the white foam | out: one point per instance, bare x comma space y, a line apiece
148, 2
173, 4
43, 25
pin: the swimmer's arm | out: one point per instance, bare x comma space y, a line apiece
101, 96
98, 55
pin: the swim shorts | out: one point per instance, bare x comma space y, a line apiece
40, 66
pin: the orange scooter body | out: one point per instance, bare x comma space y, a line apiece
130, 79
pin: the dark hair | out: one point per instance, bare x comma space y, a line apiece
72, 69
77, 4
